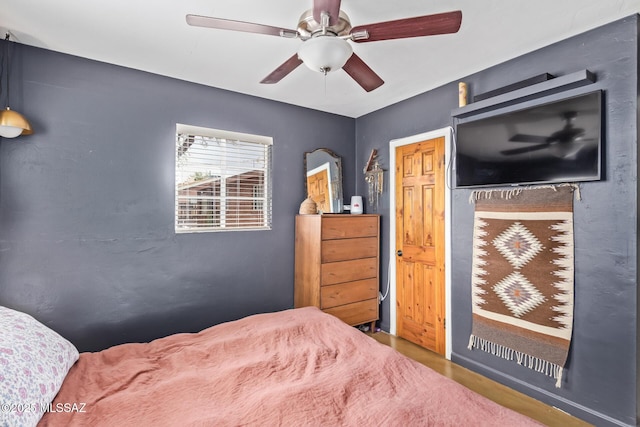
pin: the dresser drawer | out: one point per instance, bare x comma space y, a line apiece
346, 249
348, 271
348, 226
347, 293
356, 313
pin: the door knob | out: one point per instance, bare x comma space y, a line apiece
399, 252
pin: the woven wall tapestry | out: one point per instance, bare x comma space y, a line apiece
522, 276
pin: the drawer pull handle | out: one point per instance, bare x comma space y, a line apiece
399, 252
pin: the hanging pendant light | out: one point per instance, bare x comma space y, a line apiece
12, 123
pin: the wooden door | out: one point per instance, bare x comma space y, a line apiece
318, 188
420, 271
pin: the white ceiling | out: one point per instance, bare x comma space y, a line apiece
153, 36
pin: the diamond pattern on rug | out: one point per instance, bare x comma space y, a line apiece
518, 294
518, 245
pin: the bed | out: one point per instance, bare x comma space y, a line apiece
290, 368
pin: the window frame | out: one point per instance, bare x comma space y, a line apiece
217, 197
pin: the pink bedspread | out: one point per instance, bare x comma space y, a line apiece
291, 368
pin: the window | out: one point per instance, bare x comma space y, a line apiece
223, 180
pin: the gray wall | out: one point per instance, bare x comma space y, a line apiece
601, 376
86, 202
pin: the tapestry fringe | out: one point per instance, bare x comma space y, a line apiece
531, 362
488, 194
511, 193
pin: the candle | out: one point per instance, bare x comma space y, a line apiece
462, 94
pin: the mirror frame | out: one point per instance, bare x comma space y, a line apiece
336, 183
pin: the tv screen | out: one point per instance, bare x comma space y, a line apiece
552, 142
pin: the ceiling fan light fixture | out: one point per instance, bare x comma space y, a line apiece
325, 53
13, 124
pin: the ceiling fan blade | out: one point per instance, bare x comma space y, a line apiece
332, 7
524, 149
529, 138
247, 27
362, 74
429, 25
281, 72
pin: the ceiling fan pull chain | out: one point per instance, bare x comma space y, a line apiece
325, 84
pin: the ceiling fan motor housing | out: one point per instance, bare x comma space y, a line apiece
308, 26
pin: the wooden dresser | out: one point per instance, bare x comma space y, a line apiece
337, 265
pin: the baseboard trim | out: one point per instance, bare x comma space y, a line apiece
572, 408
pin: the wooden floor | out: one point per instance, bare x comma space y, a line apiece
482, 385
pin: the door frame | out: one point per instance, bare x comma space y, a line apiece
447, 133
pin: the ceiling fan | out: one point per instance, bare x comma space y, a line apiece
325, 31
564, 142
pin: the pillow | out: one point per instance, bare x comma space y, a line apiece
34, 361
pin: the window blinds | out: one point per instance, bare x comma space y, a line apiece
223, 181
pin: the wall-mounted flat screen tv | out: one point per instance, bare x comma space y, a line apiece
559, 141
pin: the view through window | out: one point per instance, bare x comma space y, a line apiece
223, 180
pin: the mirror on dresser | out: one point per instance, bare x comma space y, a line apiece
323, 179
